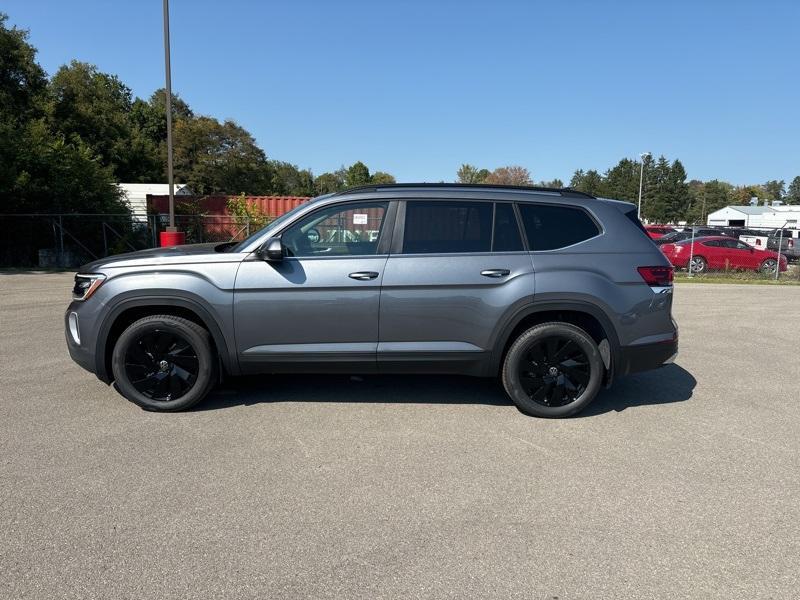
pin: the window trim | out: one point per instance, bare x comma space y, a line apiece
600, 230
384, 237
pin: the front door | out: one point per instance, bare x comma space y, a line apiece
318, 307
459, 267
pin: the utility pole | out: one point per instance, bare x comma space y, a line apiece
644, 157
169, 120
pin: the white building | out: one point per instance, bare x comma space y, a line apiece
136, 195
759, 217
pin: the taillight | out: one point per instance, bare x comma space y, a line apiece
657, 276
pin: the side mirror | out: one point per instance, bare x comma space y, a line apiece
271, 250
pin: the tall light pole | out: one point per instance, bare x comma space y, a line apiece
169, 120
644, 157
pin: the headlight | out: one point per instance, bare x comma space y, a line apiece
86, 285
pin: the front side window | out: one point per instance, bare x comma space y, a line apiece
447, 227
551, 227
340, 230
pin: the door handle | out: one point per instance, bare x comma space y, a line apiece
363, 275
495, 273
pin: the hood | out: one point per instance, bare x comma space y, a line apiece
170, 255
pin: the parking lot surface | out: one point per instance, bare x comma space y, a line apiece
683, 482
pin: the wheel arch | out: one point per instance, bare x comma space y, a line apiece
128, 310
588, 317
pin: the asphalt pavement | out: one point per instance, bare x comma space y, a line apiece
678, 483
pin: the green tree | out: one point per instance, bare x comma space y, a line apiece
553, 183
621, 182
288, 180
379, 177
793, 193
357, 174
328, 183
471, 174
41, 169
706, 197
219, 158
96, 107
774, 189
589, 182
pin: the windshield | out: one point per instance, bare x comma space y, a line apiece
282, 219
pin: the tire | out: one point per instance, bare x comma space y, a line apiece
164, 363
570, 388
768, 266
698, 264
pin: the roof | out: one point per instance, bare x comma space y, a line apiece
751, 210
365, 189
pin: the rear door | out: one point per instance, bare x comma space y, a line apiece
456, 268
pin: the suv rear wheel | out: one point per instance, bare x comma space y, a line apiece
164, 363
552, 370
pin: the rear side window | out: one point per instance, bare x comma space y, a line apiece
444, 227
551, 227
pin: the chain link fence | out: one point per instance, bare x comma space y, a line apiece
701, 252
69, 240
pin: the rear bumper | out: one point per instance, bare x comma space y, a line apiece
644, 357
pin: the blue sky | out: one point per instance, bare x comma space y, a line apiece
417, 88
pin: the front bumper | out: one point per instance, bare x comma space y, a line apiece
79, 352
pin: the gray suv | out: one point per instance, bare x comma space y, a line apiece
554, 291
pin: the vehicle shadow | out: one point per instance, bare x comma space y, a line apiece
663, 386
671, 383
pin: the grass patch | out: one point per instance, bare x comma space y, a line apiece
790, 277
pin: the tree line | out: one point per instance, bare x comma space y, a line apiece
66, 140
667, 197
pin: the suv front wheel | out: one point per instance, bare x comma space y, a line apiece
164, 363
552, 370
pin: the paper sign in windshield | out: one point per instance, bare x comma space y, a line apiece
359, 219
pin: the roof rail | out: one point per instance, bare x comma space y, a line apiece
363, 189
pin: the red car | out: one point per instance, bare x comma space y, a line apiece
656, 231
718, 252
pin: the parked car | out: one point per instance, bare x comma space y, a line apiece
715, 253
657, 231
686, 234
788, 240
554, 291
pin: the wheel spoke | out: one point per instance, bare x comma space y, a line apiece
138, 355
189, 363
576, 373
556, 393
554, 371
161, 365
163, 343
563, 353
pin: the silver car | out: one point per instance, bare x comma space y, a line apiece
554, 291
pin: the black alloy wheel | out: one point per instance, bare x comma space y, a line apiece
164, 363
161, 365
555, 371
